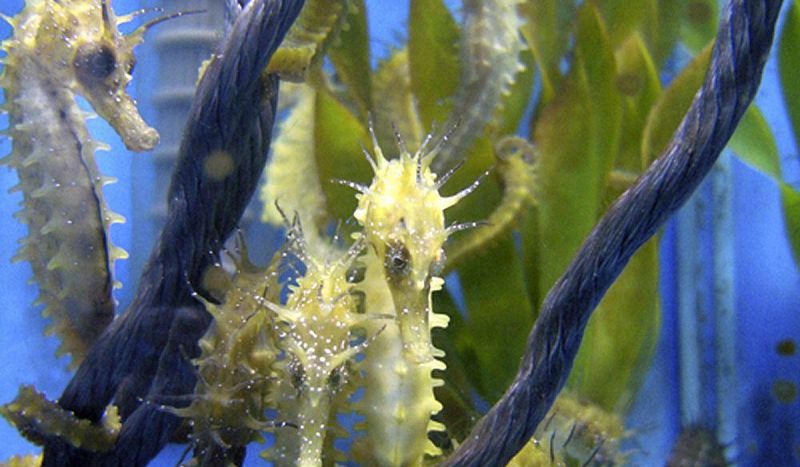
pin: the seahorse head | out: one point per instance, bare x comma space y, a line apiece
317, 324
403, 217
78, 45
402, 214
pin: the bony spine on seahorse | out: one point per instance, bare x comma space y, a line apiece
318, 338
61, 48
402, 214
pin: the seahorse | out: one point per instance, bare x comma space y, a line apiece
39, 419
516, 165
319, 328
402, 214
584, 432
228, 405
30, 460
490, 46
60, 49
308, 39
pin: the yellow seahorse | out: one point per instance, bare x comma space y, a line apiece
317, 338
402, 214
234, 368
61, 48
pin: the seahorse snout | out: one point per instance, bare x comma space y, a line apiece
144, 140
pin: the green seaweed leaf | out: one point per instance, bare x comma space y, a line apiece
499, 317
789, 66
638, 83
350, 56
546, 30
620, 338
433, 37
578, 138
668, 112
624, 17
660, 28
699, 23
791, 216
755, 145
338, 136
752, 141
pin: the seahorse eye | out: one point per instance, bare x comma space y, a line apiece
93, 63
337, 378
397, 260
297, 374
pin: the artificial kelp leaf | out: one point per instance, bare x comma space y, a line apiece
789, 66
391, 88
292, 180
699, 23
433, 58
338, 136
493, 285
594, 49
620, 338
752, 141
546, 30
623, 17
567, 181
499, 317
661, 27
577, 136
668, 112
350, 56
638, 83
791, 215
755, 145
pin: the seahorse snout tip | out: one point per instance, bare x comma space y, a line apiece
144, 140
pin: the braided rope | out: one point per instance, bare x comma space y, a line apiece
743, 42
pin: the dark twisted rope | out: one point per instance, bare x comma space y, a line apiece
143, 354
743, 42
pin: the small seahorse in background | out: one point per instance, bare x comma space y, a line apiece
490, 47
60, 49
304, 46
